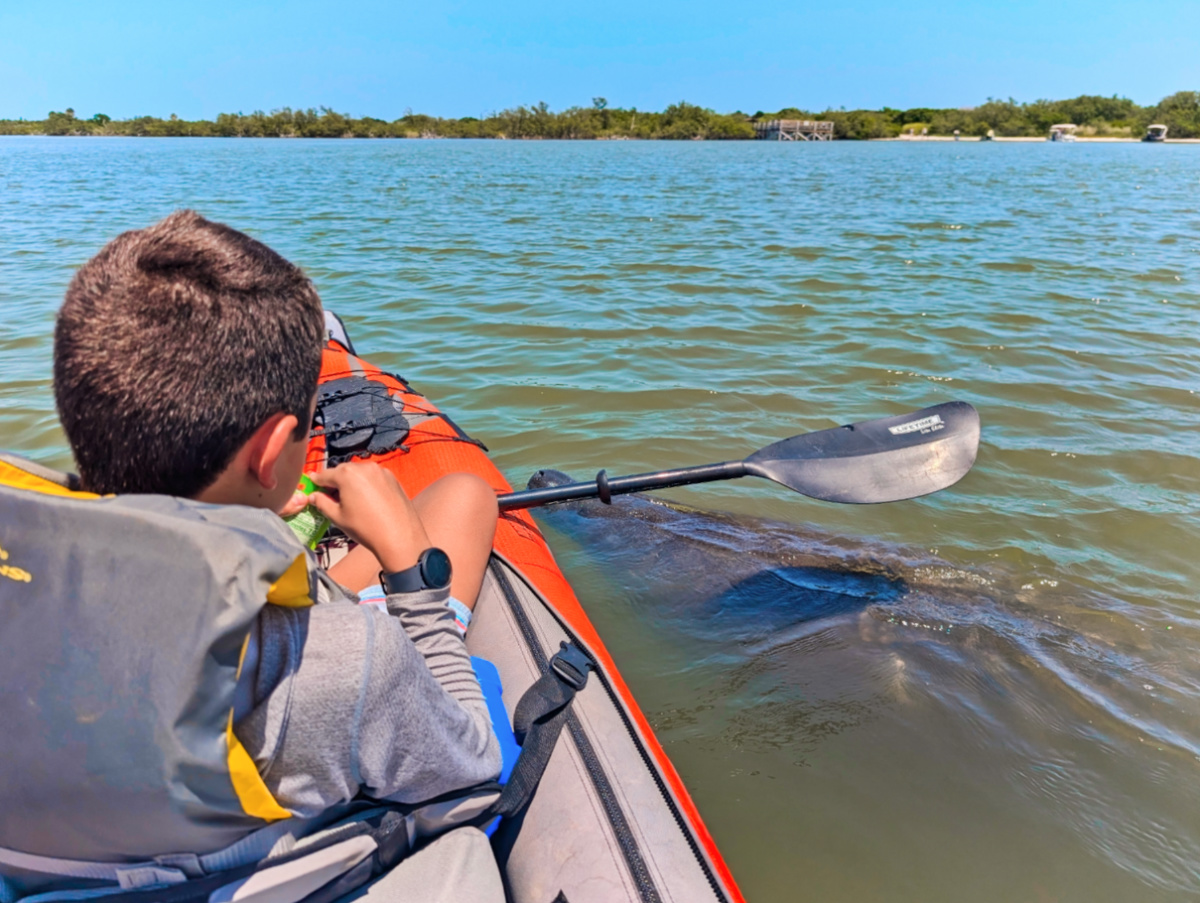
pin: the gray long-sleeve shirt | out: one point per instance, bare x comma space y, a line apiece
341, 697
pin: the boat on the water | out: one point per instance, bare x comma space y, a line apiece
1064, 131
1155, 133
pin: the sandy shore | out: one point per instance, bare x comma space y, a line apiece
1079, 139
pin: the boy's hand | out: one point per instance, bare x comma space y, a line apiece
371, 508
297, 503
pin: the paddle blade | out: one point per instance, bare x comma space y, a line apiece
877, 461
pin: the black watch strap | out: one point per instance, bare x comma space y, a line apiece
432, 571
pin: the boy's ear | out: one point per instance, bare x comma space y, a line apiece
266, 446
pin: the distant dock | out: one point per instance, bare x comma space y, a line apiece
794, 130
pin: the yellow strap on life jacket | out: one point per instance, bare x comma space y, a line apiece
292, 589
252, 792
248, 784
16, 478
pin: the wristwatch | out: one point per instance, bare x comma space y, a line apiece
432, 571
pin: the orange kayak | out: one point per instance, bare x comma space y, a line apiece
611, 819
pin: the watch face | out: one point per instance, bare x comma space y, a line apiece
435, 568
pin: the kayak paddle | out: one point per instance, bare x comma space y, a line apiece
881, 460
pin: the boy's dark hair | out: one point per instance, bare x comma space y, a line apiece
174, 344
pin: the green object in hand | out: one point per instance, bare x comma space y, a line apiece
310, 524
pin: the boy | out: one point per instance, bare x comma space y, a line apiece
186, 358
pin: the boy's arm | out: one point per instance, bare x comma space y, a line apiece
443, 737
429, 623
387, 704
348, 702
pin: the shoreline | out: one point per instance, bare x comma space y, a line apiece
1100, 118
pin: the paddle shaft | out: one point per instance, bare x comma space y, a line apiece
603, 488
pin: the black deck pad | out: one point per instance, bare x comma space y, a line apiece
359, 417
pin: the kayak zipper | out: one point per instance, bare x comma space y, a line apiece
535, 646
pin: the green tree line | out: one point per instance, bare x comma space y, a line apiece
1099, 116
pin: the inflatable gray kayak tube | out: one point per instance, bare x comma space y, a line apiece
602, 826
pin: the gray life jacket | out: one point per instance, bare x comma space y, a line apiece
123, 625
124, 622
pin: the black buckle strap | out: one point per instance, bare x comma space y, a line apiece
572, 665
537, 722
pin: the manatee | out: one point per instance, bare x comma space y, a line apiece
762, 584
729, 577
716, 568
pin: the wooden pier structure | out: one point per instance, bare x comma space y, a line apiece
794, 130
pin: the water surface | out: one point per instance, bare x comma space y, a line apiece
635, 306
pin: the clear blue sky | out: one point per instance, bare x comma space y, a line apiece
469, 57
